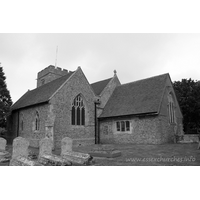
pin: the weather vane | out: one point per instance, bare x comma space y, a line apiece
56, 56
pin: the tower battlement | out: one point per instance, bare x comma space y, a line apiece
49, 74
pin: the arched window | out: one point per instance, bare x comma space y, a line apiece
37, 121
78, 111
171, 109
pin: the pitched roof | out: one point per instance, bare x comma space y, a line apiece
99, 86
139, 97
40, 94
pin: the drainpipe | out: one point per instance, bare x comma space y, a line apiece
97, 137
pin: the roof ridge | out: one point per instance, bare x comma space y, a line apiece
143, 79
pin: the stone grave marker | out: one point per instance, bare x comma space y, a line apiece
4, 155
76, 158
45, 147
20, 153
47, 158
66, 145
23, 161
2, 144
20, 147
107, 151
53, 160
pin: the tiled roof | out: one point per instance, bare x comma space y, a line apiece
139, 97
40, 94
99, 86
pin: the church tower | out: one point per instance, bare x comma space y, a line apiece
49, 74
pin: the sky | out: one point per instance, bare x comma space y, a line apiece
133, 55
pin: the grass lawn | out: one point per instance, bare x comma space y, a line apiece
143, 155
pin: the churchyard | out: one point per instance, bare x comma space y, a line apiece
21, 154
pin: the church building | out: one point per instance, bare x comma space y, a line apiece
65, 104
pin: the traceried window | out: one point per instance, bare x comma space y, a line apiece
37, 121
171, 109
78, 111
123, 126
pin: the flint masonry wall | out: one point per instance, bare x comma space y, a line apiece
144, 130
28, 116
62, 105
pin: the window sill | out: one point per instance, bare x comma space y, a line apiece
173, 123
78, 126
125, 132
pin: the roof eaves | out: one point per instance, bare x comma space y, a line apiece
129, 115
28, 106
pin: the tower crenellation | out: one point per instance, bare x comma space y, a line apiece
49, 74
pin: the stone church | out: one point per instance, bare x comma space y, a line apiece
65, 104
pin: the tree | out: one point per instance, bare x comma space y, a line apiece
5, 99
188, 95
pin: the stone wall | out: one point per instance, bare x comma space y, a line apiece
62, 105
144, 130
28, 116
191, 138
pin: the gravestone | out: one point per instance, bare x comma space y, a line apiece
107, 151
23, 161
20, 153
53, 160
20, 147
4, 155
45, 147
46, 157
66, 145
2, 144
76, 158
